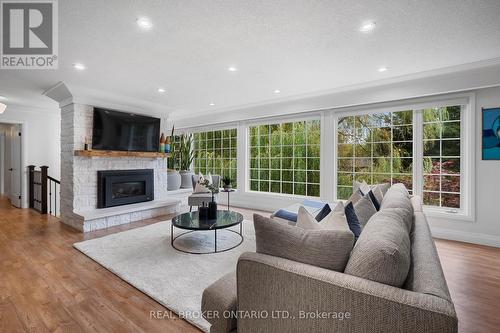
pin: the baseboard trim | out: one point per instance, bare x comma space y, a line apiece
468, 237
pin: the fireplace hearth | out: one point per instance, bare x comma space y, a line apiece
124, 187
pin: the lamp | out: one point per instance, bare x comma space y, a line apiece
2, 107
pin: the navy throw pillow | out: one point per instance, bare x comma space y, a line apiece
374, 200
352, 220
323, 213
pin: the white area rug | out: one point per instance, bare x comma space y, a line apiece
144, 258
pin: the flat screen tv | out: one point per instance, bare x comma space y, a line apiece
114, 130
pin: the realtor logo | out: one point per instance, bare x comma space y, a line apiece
29, 34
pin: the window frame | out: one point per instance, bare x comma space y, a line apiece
215, 128
467, 141
317, 115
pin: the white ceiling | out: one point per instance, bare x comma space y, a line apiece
298, 47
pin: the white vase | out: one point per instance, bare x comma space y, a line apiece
186, 181
173, 180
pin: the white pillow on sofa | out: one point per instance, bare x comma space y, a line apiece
335, 220
378, 190
199, 188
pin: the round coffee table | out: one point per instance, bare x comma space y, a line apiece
190, 221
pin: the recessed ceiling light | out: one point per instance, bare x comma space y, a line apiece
367, 27
232, 69
212, 104
78, 66
2, 108
382, 69
161, 90
144, 23
277, 91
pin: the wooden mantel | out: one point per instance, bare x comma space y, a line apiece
118, 153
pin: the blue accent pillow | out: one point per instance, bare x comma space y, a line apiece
323, 213
374, 200
352, 220
286, 215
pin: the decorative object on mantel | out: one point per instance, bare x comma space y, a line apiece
226, 182
119, 153
162, 143
167, 144
491, 134
186, 156
170, 141
86, 144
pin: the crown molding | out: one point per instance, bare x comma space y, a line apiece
66, 94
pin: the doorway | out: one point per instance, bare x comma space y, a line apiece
10, 162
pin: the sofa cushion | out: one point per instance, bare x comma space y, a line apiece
397, 197
425, 275
336, 220
365, 188
382, 252
218, 298
305, 220
323, 248
416, 202
352, 220
377, 191
317, 208
375, 201
199, 187
364, 209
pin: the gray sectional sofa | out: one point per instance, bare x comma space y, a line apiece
272, 294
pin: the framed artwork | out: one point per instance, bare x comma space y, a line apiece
491, 134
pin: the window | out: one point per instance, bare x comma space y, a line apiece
215, 152
379, 147
376, 148
285, 157
441, 156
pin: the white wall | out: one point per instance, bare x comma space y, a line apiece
40, 141
485, 229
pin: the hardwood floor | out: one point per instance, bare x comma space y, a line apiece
48, 286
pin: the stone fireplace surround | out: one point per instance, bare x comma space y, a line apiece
79, 178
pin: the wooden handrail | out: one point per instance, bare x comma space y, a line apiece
41, 190
54, 180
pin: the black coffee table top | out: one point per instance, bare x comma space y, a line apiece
191, 221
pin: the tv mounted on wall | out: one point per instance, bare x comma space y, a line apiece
114, 130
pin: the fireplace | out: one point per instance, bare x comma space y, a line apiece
124, 187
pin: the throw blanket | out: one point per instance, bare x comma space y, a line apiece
319, 209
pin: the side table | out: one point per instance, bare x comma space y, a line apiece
228, 190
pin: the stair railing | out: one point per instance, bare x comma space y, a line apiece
44, 191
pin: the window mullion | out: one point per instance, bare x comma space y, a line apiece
418, 161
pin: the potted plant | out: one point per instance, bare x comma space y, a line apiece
212, 205
226, 182
186, 156
173, 176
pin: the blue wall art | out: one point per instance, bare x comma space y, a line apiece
491, 134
